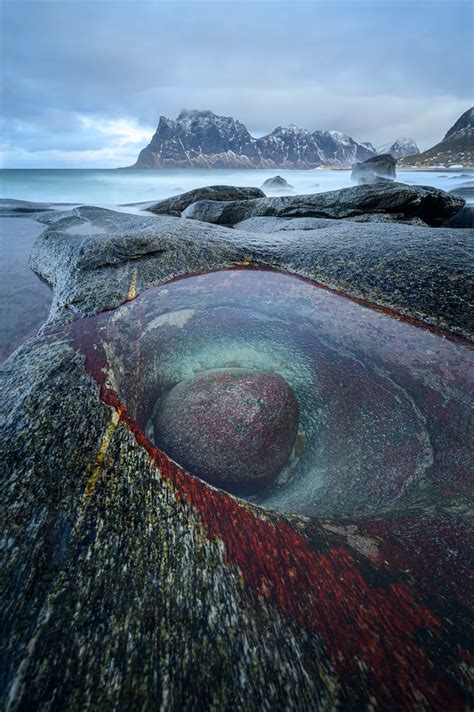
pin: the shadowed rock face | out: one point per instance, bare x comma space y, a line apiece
130, 584
386, 197
383, 166
277, 184
463, 219
233, 427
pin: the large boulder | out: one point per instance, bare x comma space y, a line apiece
273, 224
382, 166
277, 184
233, 427
384, 197
176, 204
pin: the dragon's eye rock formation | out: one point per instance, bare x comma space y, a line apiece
236, 461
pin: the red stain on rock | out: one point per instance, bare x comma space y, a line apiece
371, 632
378, 638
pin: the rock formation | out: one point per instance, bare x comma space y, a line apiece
200, 139
456, 148
368, 171
394, 201
233, 427
276, 184
128, 583
176, 204
463, 219
465, 191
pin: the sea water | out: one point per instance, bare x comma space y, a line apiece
113, 187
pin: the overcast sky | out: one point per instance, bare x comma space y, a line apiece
84, 83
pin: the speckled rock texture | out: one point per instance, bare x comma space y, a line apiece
130, 584
233, 427
176, 204
383, 196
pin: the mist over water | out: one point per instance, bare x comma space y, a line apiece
110, 188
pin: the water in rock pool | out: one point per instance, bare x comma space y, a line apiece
381, 404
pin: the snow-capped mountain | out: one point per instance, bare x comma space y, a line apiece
201, 139
456, 148
399, 148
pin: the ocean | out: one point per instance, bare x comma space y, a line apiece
114, 187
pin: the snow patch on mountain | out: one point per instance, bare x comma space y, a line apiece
203, 139
399, 148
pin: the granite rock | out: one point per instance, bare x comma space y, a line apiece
176, 204
277, 184
130, 584
382, 166
234, 428
464, 191
387, 197
117, 253
463, 219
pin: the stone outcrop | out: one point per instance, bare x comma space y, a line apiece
276, 184
130, 584
383, 166
464, 191
383, 197
176, 204
463, 219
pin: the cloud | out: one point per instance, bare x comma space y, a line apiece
87, 81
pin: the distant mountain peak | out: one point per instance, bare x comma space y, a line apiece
201, 139
400, 148
464, 123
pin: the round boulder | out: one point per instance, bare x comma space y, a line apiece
233, 427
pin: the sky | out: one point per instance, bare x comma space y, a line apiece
83, 83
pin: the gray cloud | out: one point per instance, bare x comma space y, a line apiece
374, 70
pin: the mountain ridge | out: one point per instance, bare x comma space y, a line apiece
202, 139
456, 148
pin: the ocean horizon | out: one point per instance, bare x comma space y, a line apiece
112, 187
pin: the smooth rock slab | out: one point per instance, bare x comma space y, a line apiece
370, 261
130, 585
234, 428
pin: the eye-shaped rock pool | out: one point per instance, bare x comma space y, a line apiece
335, 408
